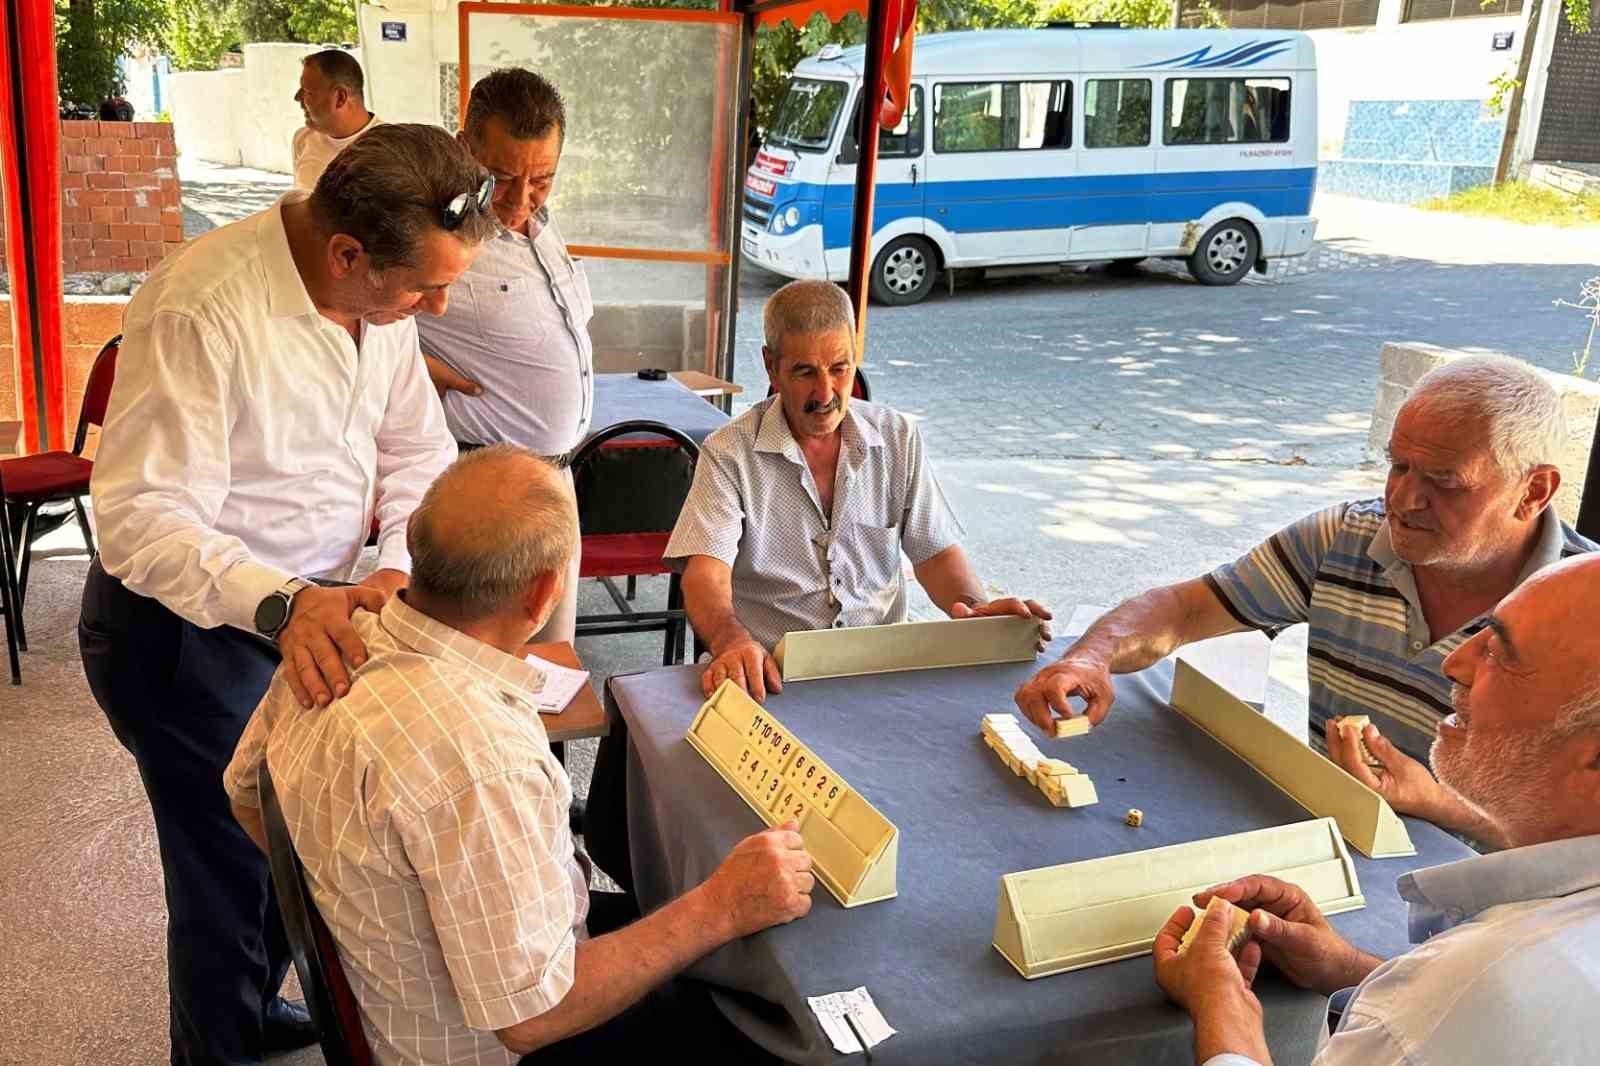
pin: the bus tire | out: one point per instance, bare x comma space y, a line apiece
1225, 253
904, 272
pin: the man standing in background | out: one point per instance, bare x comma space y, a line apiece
511, 356
332, 96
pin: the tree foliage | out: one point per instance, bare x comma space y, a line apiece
91, 35
201, 31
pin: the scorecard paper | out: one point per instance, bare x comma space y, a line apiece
857, 1003
561, 683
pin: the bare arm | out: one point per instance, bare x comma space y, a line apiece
1130, 637
735, 654
951, 583
765, 881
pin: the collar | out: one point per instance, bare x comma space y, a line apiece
286, 289
1442, 897
1546, 549
515, 679
774, 435
536, 224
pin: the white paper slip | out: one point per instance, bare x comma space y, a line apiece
857, 1003
561, 683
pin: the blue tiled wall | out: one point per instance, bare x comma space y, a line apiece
1406, 151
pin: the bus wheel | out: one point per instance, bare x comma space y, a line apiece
904, 272
1226, 253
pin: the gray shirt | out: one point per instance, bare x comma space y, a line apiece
518, 324
755, 506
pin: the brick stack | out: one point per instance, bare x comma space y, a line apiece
122, 209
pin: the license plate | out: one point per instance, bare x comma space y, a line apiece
764, 186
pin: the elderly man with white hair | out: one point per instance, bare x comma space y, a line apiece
1390, 586
1507, 962
801, 507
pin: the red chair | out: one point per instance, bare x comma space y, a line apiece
859, 389
631, 479
52, 477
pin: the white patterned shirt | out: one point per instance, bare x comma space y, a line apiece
755, 506
431, 818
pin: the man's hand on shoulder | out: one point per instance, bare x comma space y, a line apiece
766, 880
319, 640
747, 664
386, 581
1009, 605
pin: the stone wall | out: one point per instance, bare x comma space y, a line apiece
87, 323
1402, 365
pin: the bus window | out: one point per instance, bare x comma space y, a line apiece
1226, 111
1116, 113
903, 141
807, 114
1002, 116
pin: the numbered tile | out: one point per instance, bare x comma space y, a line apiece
790, 806
783, 753
771, 789
829, 797
757, 723
804, 763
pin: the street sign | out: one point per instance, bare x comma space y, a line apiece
394, 31
1503, 39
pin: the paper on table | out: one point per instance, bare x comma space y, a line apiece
857, 1003
561, 683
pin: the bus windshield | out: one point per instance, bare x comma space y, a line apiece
807, 114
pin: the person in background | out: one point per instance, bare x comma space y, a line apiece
270, 406
332, 97
511, 357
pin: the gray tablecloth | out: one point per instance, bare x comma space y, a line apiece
621, 397
909, 743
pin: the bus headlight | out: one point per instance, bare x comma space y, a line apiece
777, 224
792, 216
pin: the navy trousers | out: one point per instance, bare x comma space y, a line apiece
178, 697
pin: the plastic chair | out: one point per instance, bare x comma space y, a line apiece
32, 481
629, 493
859, 389
332, 1004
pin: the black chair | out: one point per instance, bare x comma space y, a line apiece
10, 598
859, 390
316, 960
631, 479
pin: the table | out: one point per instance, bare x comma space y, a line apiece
621, 397
909, 742
583, 717
705, 385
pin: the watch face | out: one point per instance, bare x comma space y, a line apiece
271, 613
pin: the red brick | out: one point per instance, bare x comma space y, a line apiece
74, 180
81, 229
122, 164
116, 129
72, 214
141, 179
108, 215
152, 129
144, 215
80, 248
144, 249
99, 230
78, 164
170, 184
78, 128
90, 198
101, 146
118, 198
72, 146
172, 233
106, 181
110, 247
150, 233
126, 231
126, 263
94, 264
171, 200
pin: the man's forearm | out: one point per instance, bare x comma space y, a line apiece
710, 610
1239, 1033
1147, 628
948, 579
615, 971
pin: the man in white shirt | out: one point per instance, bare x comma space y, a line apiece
332, 97
511, 357
270, 405
431, 817
1507, 962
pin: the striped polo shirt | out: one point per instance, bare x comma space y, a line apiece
1369, 650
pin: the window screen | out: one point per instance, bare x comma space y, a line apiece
1116, 114
1226, 111
1002, 116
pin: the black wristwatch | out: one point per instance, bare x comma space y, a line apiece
272, 613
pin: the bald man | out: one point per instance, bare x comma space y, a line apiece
431, 816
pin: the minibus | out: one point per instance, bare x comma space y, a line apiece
1056, 145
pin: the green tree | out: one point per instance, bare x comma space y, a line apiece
1145, 14
323, 21
201, 31
90, 37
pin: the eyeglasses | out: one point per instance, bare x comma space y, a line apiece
455, 212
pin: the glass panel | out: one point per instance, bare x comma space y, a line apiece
1226, 111
1001, 116
1116, 114
902, 141
806, 115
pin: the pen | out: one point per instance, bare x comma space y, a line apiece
851, 1022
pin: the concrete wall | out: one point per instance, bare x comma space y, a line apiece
246, 116
1400, 366
403, 76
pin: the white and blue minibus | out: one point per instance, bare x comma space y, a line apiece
1022, 147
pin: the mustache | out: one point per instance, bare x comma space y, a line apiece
815, 408
1461, 700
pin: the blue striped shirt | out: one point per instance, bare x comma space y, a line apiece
1369, 650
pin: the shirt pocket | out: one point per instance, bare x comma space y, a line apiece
867, 561
506, 316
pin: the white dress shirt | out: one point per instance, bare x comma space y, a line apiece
248, 440
313, 150
518, 325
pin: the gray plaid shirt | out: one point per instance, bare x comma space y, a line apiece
754, 506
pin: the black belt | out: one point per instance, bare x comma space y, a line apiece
560, 462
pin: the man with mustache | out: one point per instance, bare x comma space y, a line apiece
801, 507
1507, 963
1390, 586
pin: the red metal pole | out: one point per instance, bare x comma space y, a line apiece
879, 25
30, 175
